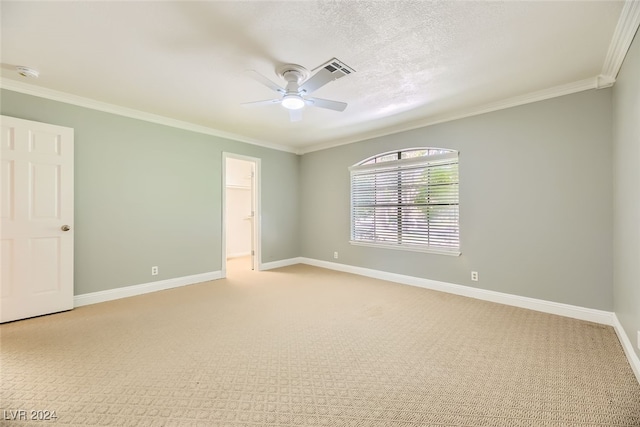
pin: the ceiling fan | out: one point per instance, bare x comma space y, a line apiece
295, 95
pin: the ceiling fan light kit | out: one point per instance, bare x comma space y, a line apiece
300, 85
292, 102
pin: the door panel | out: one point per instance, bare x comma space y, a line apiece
6, 249
44, 197
7, 203
45, 143
45, 262
37, 200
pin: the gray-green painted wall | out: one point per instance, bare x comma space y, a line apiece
148, 194
626, 190
535, 201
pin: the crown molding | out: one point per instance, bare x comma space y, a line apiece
598, 82
628, 24
623, 35
54, 95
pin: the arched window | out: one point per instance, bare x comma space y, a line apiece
407, 199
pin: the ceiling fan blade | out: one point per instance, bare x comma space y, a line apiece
265, 81
265, 102
325, 103
295, 115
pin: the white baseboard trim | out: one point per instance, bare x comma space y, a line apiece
632, 357
567, 310
589, 314
281, 263
238, 255
129, 291
581, 313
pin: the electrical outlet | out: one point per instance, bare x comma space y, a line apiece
474, 276
335, 255
154, 270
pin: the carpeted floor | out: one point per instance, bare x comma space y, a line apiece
303, 346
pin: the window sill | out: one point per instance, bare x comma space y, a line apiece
449, 252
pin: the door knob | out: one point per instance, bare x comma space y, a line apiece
65, 228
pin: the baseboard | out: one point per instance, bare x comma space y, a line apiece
281, 263
129, 291
567, 310
238, 255
627, 346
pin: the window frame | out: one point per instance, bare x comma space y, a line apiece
441, 156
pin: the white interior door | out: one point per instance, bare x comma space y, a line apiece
36, 206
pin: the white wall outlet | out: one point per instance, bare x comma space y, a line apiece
335, 255
154, 270
474, 276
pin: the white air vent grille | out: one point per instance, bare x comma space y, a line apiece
329, 71
335, 65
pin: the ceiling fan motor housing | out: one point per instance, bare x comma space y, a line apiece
293, 73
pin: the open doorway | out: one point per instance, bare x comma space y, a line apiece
241, 213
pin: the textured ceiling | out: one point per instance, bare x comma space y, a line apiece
415, 61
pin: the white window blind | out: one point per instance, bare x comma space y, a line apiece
409, 203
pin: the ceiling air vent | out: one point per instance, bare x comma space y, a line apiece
335, 65
331, 70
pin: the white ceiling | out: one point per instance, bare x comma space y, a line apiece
416, 62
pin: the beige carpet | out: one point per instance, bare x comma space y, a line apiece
303, 346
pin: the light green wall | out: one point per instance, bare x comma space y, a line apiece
536, 204
535, 201
626, 190
148, 194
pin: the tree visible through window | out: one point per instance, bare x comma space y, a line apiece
407, 199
